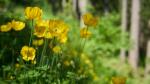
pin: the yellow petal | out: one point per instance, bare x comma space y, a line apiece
18, 25
84, 33
89, 19
38, 42
27, 12
33, 12
28, 53
119, 80
40, 28
5, 28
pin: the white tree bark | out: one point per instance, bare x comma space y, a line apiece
74, 5
147, 69
134, 36
83, 9
106, 9
147, 63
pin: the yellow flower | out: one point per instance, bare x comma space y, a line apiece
33, 13
17, 25
28, 53
17, 65
84, 33
62, 38
57, 27
48, 33
56, 49
40, 28
5, 28
63, 35
54, 27
119, 80
66, 63
89, 19
38, 42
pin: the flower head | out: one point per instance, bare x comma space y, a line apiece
40, 28
67, 63
17, 65
63, 38
17, 25
118, 80
56, 49
56, 28
84, 33
63, 35
51, 28
33, 13
28, 53
89, 19
38, 42
5, 28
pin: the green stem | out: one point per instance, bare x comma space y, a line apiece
80, 45
31, 37
43, 52
53, 59
31, 34
84, 42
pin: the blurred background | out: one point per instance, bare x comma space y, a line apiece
119, 45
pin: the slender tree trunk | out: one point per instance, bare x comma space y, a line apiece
106, 7
124, 27
64, 2
75, 9
74, 5
83, 9
147, 69
134, 36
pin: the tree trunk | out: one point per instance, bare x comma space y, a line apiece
106, 7
147, 64
134, 36
83, 9
147, 69
124, 27
64, 3
74, 5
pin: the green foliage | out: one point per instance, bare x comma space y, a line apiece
104, 44
108, 38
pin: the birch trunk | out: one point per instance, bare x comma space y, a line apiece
83, 9
134, 36
147, 69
